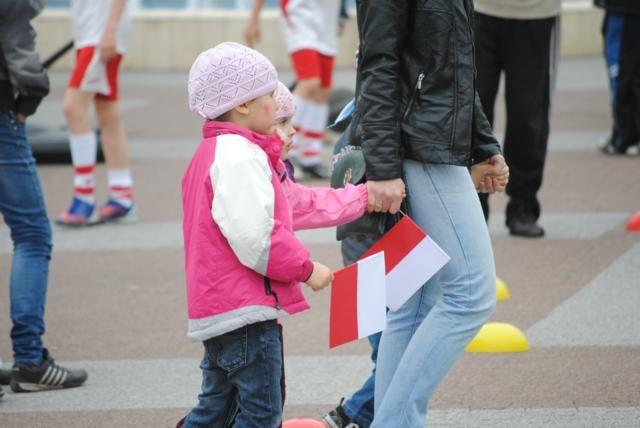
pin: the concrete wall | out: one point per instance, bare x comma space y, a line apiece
170, 40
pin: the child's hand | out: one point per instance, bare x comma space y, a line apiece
321, 276
478, 173
486, 180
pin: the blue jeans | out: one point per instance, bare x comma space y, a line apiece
242, 379
426, 336
23, 209
359, 408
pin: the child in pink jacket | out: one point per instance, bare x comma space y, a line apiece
243, 262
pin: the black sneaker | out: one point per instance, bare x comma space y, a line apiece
316, 171
525, 225
5, 377
337, 418
1, 393
46, 376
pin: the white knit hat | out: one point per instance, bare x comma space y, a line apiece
227, 76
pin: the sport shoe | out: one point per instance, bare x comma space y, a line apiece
80, 213
337, 418
5, 377
47, 375
114, 211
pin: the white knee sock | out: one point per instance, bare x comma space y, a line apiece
121, 186
312, 131
84, 148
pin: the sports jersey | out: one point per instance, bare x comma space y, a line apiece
311, 24
89, 20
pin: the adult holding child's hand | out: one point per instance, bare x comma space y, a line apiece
385, 195
420, 122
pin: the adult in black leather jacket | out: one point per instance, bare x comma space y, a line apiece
419, 120
418, 98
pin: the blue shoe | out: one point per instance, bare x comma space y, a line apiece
114, 211
80, 213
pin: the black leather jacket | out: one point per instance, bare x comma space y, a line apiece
23, 80
417, 86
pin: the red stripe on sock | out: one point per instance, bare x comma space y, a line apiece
84, 169
310, 153
313, 135
120, 188
84, 190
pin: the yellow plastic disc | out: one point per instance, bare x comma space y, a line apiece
502, 292
496, 337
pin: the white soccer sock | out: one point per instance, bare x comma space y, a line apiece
302, 111
313, 127
84, 148
121, 186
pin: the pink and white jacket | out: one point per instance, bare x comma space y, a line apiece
243, 262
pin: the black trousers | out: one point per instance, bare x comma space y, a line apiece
525, 50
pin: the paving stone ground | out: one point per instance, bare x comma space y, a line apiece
116, 302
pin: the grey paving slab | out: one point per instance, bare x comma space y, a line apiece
603, 313
144, 235
176, 383
562, 226
168, 234
566, 141
535, 418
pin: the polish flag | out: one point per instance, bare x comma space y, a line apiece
411, 259
358, 302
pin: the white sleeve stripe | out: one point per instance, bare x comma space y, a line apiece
243, 199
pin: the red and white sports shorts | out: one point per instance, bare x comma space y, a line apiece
83, 59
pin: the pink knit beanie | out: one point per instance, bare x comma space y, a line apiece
284, 99
227, 76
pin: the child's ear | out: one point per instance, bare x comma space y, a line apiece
243, 109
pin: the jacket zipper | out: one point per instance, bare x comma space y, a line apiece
417, 89
269, 292
455, 79
473, 57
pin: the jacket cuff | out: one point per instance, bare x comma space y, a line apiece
364, 194
484, 152
27, 106
307, 270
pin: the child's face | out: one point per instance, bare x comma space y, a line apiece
262, 113
286, 131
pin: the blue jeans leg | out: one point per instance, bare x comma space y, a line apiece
359, 408
23, 209
241, 385
426, 336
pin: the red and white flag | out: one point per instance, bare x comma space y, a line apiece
411, 259
358, 302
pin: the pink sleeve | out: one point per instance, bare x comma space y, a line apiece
325, 207
288, 257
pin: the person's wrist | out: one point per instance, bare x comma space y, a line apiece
307, 270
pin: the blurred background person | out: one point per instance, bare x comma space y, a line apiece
101, 33
23, 85
310, 29
621, 34
520, 39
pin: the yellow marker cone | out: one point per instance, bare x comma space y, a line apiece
502, 292
496, 337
